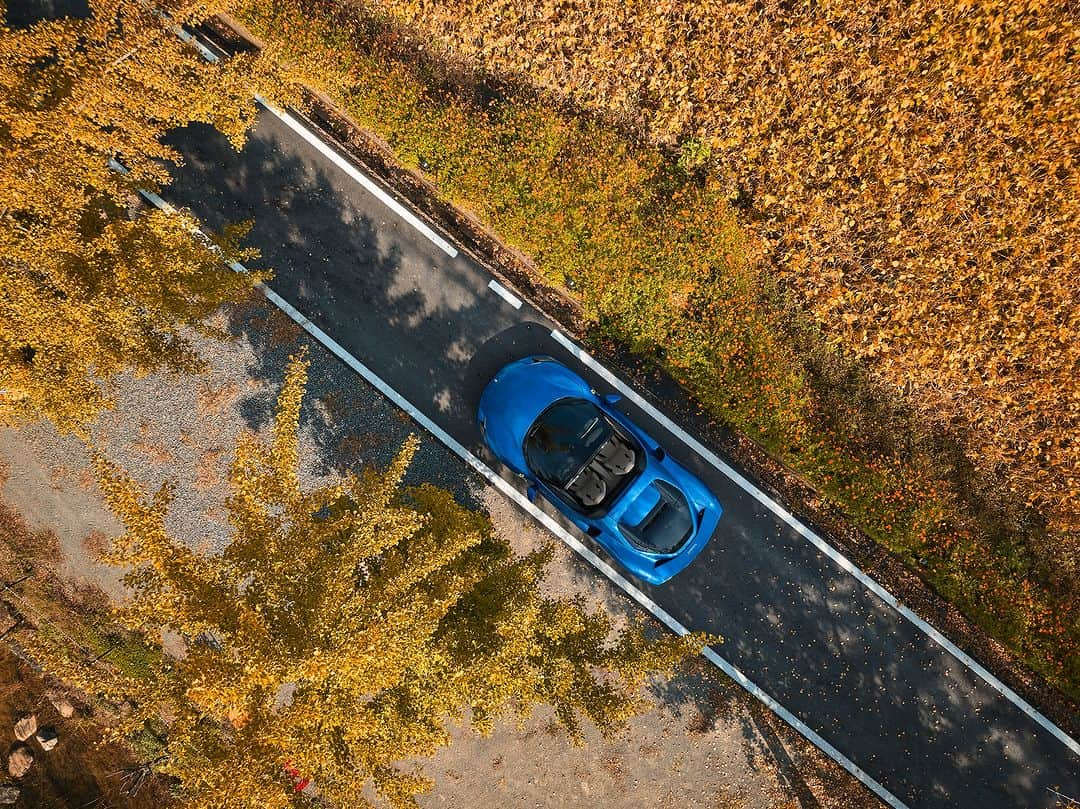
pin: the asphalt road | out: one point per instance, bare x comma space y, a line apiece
868, 681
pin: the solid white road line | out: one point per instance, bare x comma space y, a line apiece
332, 155
549, 522
842, 561
554, 527
149, 196
504, 293
204, 51
357, 176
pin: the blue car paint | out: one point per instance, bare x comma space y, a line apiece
524, 389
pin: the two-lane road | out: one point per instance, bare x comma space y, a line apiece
856, 671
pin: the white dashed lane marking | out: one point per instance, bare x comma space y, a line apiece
504, 293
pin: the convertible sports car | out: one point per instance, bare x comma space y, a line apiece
602, 471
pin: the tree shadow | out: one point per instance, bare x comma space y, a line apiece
334, 247
795, 623
24, 13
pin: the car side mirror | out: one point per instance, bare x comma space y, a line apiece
612, 398
530, 492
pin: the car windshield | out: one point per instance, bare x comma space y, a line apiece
667, 525
564, 439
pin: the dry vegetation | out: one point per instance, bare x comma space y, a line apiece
82, 771
645, 238
911, 167
79, 772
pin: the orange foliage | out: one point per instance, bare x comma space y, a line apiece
912, 166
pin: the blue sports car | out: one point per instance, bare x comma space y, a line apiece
602, 471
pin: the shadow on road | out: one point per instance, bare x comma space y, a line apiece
792, 621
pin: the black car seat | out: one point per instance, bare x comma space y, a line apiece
588, 487
615, 456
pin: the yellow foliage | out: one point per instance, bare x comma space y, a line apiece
342, 629
88, 287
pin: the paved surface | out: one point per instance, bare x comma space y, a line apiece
869, 682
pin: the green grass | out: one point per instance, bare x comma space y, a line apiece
94, 637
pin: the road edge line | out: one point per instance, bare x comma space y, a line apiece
824, 547
504, 293
357, 176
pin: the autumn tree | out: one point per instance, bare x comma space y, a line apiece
87, 288
342, 630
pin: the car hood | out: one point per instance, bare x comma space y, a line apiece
517, 395
636, 502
